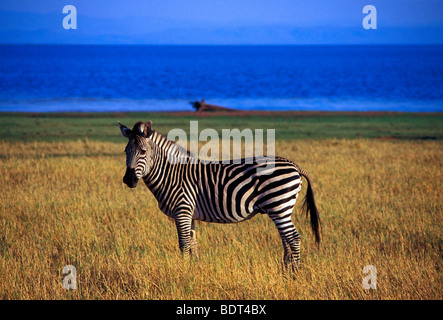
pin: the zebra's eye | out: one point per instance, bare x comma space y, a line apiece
142, 152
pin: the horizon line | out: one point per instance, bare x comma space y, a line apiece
228, 45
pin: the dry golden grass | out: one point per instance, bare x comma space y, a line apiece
64, 203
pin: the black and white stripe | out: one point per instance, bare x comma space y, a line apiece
190, 189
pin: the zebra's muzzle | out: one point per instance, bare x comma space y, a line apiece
130, 178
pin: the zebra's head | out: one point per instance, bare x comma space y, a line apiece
138, 151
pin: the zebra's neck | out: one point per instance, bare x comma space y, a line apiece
164, 167
165, 153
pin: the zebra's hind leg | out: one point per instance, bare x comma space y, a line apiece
290, 239
194, 246
287, 256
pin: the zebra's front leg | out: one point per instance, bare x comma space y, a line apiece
183, 222
194, 246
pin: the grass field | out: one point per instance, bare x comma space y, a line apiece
377, 179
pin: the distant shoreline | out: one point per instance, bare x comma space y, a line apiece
289, 125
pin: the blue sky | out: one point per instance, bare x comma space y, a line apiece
222, 22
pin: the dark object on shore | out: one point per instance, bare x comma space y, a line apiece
201, 106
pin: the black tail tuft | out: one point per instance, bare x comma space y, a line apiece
310, 207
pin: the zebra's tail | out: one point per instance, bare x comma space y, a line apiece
310, 207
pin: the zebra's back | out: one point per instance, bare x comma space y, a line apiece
234, 192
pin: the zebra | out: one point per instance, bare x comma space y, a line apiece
220, 192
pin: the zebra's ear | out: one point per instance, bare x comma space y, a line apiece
148, 129
126, 132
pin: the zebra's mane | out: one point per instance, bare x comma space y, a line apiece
169, 146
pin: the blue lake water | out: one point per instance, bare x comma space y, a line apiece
41, 78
